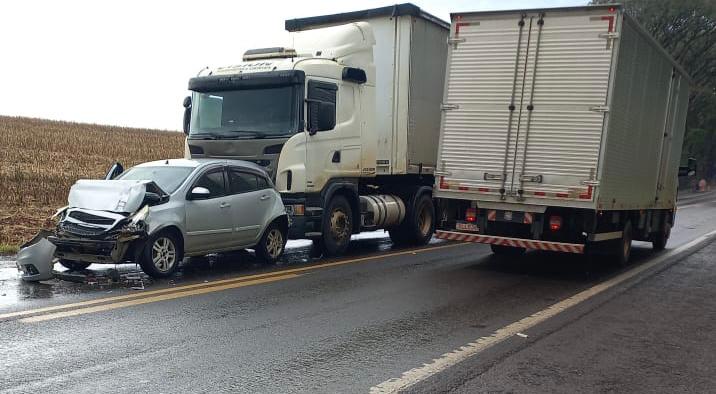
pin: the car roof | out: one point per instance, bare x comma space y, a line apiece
195, 163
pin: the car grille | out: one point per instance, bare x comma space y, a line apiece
78, 229
92, 219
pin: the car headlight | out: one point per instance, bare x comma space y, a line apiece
137, 222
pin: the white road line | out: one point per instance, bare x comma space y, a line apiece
447, 360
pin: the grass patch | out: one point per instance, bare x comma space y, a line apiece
8, 249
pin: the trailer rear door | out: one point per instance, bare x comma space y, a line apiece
526, 103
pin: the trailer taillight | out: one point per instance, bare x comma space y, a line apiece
555, 223
471, 215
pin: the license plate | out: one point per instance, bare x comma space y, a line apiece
466, 227
508, 215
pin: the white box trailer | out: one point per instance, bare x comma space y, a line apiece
561, 128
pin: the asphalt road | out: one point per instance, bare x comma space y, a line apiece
351, 324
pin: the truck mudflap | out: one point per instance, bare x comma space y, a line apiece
514, 242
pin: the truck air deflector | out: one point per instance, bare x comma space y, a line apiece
215, 83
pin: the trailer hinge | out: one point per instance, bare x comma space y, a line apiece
609, 36
590, 183
599, 108
449, 107
455, 41
442, 173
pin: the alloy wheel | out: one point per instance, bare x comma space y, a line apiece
164, 254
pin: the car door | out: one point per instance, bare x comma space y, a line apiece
248, 206
209, 220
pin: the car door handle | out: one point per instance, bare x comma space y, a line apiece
224, 205
264, 197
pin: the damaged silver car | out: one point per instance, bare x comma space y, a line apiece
158, 212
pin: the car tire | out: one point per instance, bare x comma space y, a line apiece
162, 255
337, 226
74, 265
419, 224
509, 251
272, 244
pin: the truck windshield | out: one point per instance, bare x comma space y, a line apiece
250, 113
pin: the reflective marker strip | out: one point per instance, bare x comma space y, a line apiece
514, 242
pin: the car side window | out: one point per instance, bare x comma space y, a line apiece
242, 182
213, 180
263, 183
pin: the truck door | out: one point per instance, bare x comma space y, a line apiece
333, 148
526, 103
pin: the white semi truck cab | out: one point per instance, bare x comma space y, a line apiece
345, 118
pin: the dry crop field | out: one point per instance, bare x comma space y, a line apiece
41, 159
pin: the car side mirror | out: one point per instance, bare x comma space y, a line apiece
114, 171
187, 114
199, 193
152, 198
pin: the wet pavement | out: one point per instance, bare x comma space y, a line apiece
305, 325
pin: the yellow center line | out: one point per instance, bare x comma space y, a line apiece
218, 283
147, 300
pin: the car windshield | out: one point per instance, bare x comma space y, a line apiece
249, 113
168, 178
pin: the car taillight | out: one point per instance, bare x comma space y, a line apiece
471, 215
555, 223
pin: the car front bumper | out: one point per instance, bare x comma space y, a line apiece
101, 251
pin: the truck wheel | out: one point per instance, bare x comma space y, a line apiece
337, 226
502, 250
661, 237
272, 244
162, 255
419, 223
622, 248
74, 265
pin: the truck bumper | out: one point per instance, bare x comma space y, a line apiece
513, 242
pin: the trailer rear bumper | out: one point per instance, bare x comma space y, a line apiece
514, 242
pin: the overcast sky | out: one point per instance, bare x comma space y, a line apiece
127, 62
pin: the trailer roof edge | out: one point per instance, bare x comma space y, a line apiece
299, 24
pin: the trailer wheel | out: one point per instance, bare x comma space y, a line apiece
337, 226
661, 237
419, 224
502, 250
622, 248
73, 265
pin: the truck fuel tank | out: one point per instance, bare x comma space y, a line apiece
387, 210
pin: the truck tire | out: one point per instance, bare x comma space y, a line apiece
419, 224
661, 237
272, 244
162, 255
337, 226
622, 247
74, 265
501, 250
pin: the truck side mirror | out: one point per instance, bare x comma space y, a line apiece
187, 114
114, 171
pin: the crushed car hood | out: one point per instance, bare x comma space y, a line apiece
108, 195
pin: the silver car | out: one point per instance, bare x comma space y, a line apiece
158, 212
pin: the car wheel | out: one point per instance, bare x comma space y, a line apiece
272, 244
162, 255
502, 250
74, 265
337, 226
